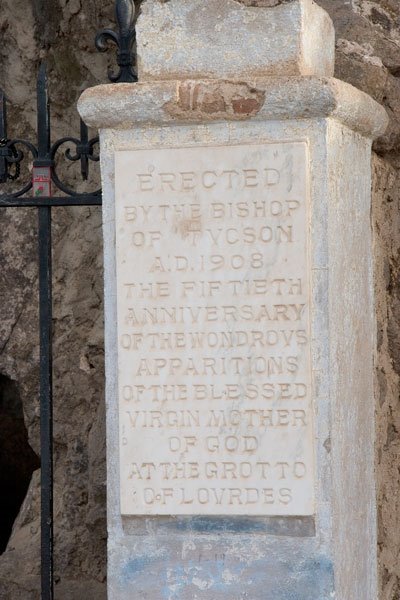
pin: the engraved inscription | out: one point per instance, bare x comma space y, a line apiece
213, 297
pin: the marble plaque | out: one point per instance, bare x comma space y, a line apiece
213, 296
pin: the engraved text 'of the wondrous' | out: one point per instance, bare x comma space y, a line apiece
215, 398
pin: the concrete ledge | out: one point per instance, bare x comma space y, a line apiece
300, 527
126, 105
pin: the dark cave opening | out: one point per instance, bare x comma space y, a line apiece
17, 459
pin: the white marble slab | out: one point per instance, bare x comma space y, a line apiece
213, 296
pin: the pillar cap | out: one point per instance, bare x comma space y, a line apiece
129, 105
232, 39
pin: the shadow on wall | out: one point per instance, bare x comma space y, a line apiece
17, 459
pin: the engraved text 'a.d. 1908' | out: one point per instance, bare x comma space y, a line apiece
213, 280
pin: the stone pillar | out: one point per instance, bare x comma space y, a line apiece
239, 310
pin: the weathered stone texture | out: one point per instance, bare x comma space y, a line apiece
386, 213
368, 56
63, 35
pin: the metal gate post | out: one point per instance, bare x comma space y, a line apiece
43, 162
12, 154
46, 402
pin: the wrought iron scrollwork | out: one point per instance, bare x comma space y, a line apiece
124, 40
43, 155
15, 159
9, 155
84, 151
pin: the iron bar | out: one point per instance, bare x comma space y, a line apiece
84, 157
43, 115
46, 366
46, 402
3, 136
81, 200
3, 115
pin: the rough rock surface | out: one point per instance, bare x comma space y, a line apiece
63, 34
368, 56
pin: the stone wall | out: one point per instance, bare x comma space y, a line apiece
368, 56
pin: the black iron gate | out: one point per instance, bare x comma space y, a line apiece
37, 192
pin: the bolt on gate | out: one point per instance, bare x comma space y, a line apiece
37, 192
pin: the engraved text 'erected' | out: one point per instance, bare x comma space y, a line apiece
215, 401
